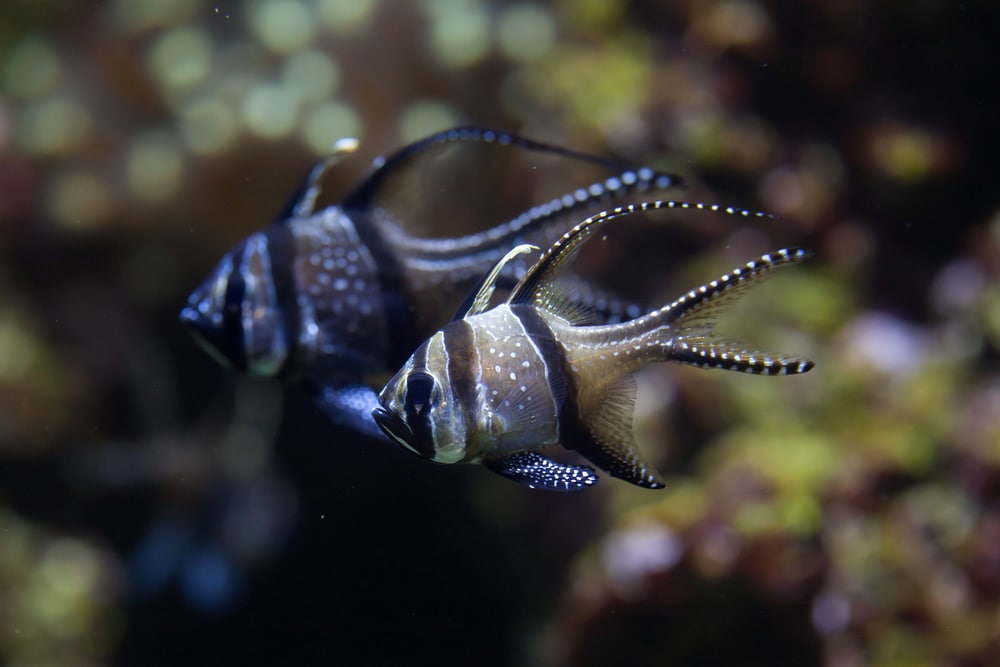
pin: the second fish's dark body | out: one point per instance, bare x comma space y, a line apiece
334, 297
497, 386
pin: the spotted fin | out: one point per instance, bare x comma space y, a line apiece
539, 472
539, 285
709, 352
611, 444
349, 405
693, 317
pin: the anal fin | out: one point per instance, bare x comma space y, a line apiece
612, 443
539, 472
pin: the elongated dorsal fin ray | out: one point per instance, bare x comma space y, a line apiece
539, 472
303, 203
362, 196
631, 179
708, 352
538, 284
479, 300
613, 446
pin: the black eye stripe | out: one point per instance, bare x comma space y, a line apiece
419, 390
233, 321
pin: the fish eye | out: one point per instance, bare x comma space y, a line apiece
420, 392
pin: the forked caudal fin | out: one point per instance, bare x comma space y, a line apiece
692, 318
684, 330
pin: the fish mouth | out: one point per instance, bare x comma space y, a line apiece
209, 335
395, 428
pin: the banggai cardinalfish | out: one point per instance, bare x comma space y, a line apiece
332, 297
495, 386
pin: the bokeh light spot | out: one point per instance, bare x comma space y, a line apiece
181, 58
78, 200
52, 125
733, 23
208, 126
135, 15
32, 68
270, 111
425, 117
71, 568
341, 16
20, 354
313, 75
284, 26
460, 32
153, 169
526, 32
327, 123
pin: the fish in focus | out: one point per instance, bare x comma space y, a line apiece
496, 386
331, 298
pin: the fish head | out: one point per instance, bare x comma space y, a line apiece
235, 314
420, 410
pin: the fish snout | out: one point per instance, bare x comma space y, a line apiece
394, 427
207, 325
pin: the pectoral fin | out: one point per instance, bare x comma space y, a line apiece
538, 472
349, 405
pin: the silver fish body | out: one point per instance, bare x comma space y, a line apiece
497, 386
334, 297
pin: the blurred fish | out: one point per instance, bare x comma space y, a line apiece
496, 385
335, 296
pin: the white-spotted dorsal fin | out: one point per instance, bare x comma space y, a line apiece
539, 287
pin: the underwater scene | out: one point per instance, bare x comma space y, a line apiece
545, 334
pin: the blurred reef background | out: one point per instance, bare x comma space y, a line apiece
155, 509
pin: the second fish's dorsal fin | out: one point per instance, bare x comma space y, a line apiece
303, 203
479, 299
612, 443
384, 168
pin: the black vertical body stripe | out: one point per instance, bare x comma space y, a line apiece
230, 339
392, 285
562, 380
281, 253
462, 360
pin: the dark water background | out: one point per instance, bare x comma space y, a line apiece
157, 510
